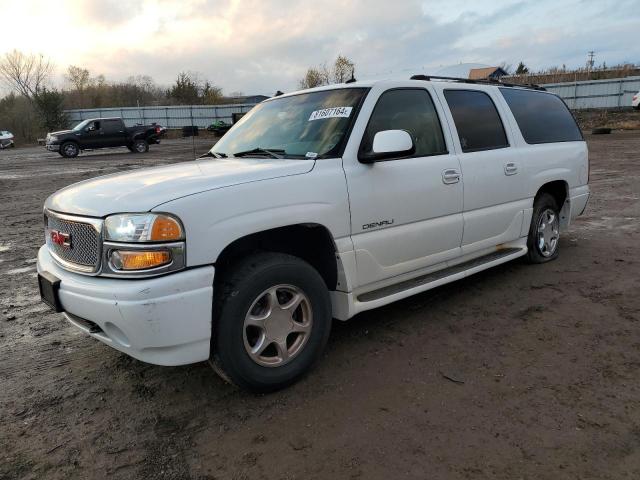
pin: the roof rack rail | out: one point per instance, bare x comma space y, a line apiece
428, 78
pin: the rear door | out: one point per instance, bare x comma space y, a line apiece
113, 132
494, 179
406, 212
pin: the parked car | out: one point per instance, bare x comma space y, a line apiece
6, 139
355, 196
635, 101
219, 127
98, 133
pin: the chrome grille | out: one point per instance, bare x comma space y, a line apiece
85, 248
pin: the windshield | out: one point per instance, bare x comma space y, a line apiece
81, 125
307, 125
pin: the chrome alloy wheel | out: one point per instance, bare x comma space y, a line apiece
548, 232
70, 150
277, 326
140, 147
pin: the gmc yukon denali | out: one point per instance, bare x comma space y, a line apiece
98, 133
317, 204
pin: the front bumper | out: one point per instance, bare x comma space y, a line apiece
52, 147
163, 320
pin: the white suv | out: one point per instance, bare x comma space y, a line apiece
318, 204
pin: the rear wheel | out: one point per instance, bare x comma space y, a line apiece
69, 149
272, 319
140, 146
544, 233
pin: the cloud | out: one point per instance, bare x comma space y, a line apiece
259, 46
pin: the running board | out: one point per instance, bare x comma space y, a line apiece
432, 280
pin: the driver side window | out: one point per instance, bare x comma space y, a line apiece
411, 110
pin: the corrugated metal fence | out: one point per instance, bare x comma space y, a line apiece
171, 117
610, 93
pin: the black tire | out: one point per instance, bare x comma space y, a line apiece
69, 149
538, 254
237, 292
140, 146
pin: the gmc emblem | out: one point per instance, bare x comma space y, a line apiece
60, 238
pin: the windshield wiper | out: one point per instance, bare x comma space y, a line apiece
213, 154
272, 152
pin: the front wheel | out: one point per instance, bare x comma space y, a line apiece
272, 319
544, 233
69, 150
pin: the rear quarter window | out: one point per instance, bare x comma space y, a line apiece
541, 117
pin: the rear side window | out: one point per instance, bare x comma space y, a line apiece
411, 110
541, 117
111, 126
477, 120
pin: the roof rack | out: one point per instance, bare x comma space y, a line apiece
428, 78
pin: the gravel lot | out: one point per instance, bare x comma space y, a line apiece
546, 361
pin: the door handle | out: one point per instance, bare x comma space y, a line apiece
450, 176
510, 169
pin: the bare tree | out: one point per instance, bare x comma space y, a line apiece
343, 69
314, 77
25, 73
78, 77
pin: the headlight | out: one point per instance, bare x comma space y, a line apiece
143, 244
143, 227
53, 138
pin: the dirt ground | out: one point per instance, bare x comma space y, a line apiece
546, 363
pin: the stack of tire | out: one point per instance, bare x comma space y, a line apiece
190, 131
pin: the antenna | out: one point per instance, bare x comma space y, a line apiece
353, 78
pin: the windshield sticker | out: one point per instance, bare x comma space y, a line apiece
311, 155
335, 112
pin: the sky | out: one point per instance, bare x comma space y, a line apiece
260, 46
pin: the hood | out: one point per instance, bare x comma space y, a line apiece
61, 132
141, 190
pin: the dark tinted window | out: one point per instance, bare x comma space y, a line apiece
111, 126
411, 110
477, 120
542, 117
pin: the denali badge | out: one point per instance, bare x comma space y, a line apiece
60, 238
381, 223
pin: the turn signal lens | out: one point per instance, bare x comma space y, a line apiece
139, 259
165, 229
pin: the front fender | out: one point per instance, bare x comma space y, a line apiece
216, 218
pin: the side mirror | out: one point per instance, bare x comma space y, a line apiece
91, 128
389, 144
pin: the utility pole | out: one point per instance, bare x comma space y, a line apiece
590, 62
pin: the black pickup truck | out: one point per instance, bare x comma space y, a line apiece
103, 133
